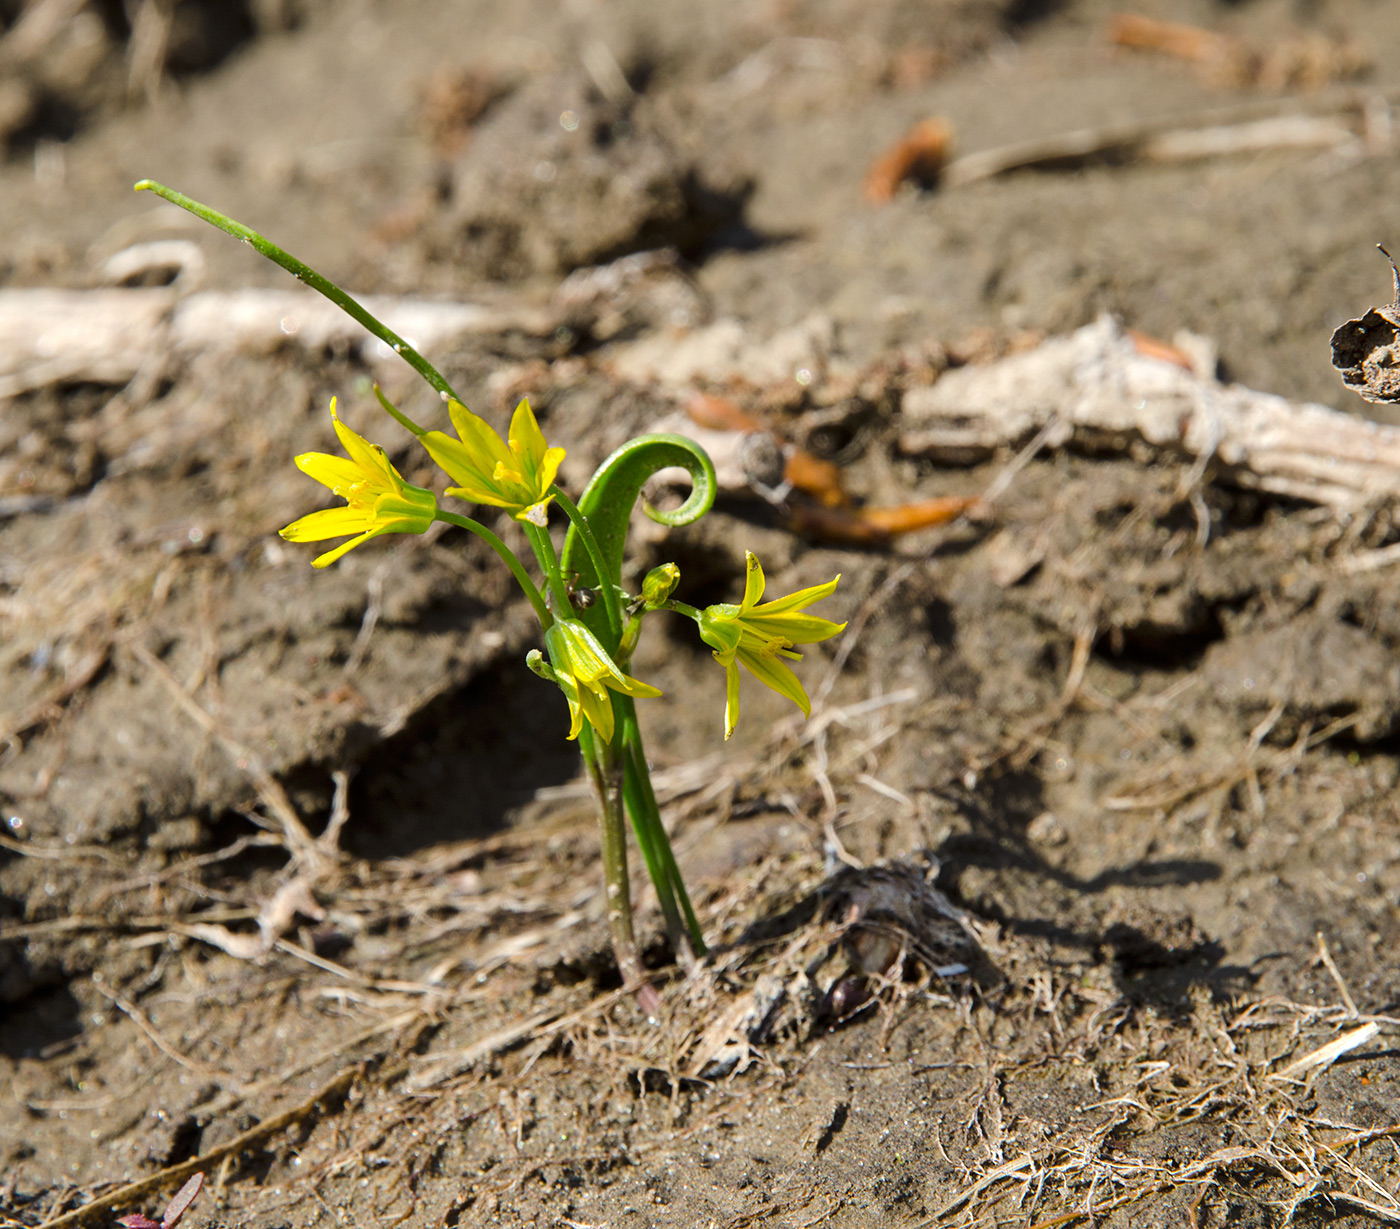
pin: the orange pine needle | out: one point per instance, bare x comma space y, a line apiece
920, 153
817, 478
807, 473
1169, 37
719, 414
871, 526
1150, 347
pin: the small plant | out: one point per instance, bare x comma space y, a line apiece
175, 1209
590, 622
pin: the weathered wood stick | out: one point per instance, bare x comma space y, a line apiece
1105, 393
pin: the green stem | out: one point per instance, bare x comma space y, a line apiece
508, 557
652, 838
543, 546
649, 840
579, 524
398, 415
681, 608
627, 642
601, 765
304, 273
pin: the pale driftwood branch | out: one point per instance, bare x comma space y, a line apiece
1341, 120
265, 319
94, 336
1147, 143
103, 336
1104, 393
1096, 386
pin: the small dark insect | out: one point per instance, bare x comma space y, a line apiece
175, 1209
1367, 351
582, 598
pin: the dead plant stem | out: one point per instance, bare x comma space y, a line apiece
124, 1196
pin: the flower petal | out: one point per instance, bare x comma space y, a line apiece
516, 476
474, 494
773, 673
377, 499
794, 628
799, 600
570, 690
325, 561
585, 656
526, 438
452, 456
549, 468
337, 473
753, 583
329, 523
369, 457
586, 672
535, 514
761, 636
597, 707
636, 688
719, 628
410, 509
481, 440
731, 699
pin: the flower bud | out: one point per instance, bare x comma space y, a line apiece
659, 584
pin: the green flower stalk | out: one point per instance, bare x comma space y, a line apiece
589, 642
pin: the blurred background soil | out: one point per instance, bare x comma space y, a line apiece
298, 879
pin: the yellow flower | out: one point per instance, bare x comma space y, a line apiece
488, 471
584, 670
377, 499
758, 636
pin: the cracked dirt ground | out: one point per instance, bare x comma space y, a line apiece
1122, 746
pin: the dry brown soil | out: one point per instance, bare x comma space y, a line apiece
1154, 767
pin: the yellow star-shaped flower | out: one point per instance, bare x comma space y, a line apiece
757, 637
377, 499
586, 673
488, 470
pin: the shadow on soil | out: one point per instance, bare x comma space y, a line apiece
50, 1018
1155, 960
485, 749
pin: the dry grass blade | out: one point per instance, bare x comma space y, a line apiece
48, 709
444, 1067
147, 47
143, 1022
1325, 1056
1011, 1169
1324, 958
125, 1195
303, 846
1327, 122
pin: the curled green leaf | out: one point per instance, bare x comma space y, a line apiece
607, 506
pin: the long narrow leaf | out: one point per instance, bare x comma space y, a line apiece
307, 275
